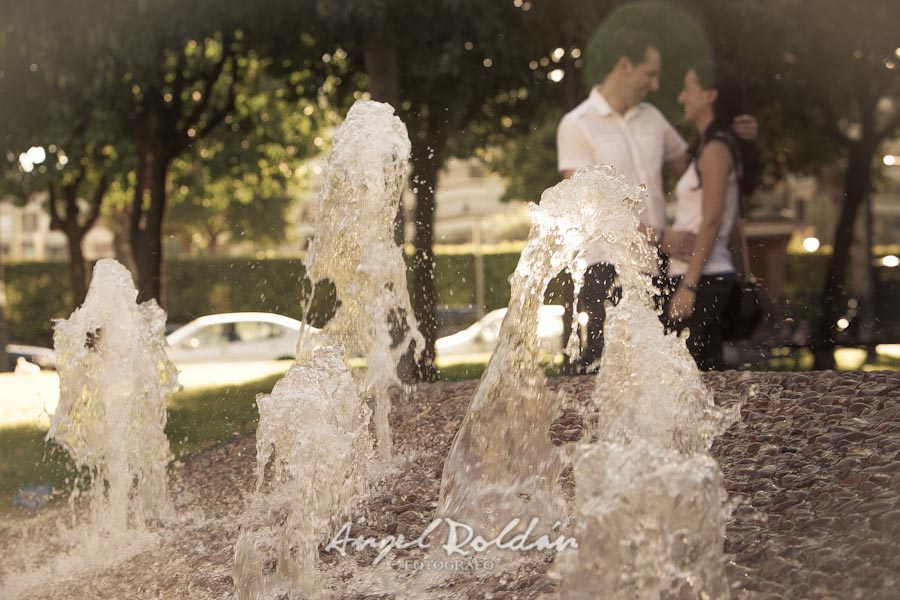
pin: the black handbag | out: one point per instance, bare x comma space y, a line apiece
745, 308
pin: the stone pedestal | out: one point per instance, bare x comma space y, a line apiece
767, 240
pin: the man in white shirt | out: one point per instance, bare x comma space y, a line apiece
614, 126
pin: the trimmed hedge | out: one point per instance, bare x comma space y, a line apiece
38, 292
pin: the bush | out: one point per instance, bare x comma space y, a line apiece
38, 292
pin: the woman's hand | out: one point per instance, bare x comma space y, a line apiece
682, 306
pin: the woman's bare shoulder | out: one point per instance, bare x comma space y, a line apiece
715, 154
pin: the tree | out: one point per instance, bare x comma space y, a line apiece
77, 143
172, 80
76, 185
453, 63
241, 180
174, 111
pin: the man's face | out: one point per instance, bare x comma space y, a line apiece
643, 77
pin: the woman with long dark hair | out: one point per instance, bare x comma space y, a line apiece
708, 204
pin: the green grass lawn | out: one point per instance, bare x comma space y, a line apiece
197, 418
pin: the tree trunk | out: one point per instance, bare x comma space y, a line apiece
78, 272
5, 364
153, 230
427, 156
856, 187
74, 232
380, 61
148, 209
212, 246
122, 240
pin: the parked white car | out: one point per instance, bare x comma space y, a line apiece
38, 355
481, 337
234, 337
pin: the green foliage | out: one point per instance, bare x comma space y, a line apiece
36, 294
815, 71
240, 180
197, 287
527, 163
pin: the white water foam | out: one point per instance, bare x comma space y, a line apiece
115, 380
313, 449
650, 524
502, 463
354, 248
656, 418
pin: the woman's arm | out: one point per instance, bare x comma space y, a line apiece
715, 164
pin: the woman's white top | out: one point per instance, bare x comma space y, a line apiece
689, 215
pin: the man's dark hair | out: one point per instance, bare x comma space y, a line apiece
607, 46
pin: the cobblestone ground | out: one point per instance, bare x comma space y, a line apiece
813, 466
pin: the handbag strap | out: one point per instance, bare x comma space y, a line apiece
745, 251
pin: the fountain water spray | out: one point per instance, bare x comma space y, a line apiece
649, 500
649, 525
648, 476
354, 248
313, 445
114, 379
312, 451
649, 386
502, 463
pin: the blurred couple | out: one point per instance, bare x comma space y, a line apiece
615, 126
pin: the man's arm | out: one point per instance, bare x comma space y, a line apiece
679, 164
573, 150
676, 155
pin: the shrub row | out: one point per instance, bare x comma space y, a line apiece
38, 292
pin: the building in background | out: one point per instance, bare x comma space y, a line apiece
25, 234
467, 205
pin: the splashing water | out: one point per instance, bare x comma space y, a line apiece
649, 386
502, 463
354, 248
650, 525
313, 447
115, 379
649, 476
649, 498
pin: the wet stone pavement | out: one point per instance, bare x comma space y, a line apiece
812, 470
815, 462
